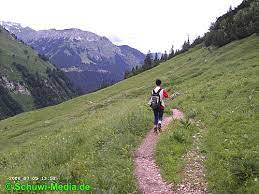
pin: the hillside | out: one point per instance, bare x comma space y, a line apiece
238, 23
90, 61
26, 80
92, 137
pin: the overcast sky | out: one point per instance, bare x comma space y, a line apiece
143, 24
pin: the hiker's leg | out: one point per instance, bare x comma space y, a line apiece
156, 115
155, 120
160, 116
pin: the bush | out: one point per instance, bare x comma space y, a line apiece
179, 135
243, 168
192, 114
43, 57
185, 123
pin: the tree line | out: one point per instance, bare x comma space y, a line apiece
47, 91
8, 106
236, 24
152, 60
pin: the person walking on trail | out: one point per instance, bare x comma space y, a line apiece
157, 104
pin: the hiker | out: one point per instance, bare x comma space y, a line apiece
157, 104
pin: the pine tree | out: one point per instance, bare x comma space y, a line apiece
162, 57
256, 25
126, 74
147, 61
171, 52
133, 70
165, 56
156, 60
230, 9
156, 57
186, 45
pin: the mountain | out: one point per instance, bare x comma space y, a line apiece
89, 60
26, 80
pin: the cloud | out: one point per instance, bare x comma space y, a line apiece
114, 39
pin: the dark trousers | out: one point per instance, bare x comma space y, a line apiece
158, 115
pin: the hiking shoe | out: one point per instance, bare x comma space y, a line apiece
159, 127
155, 129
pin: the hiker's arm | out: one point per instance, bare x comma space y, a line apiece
165, 94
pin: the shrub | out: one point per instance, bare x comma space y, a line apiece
185, 123
43, 57
243, 168
192, 114
179, 135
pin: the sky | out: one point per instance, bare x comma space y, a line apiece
146, 25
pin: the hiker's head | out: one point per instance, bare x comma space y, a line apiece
158, 82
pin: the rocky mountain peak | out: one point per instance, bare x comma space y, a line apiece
82, 55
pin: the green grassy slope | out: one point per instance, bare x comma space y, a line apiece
12, 51
10, 47
20, 64
92, 137
220, 89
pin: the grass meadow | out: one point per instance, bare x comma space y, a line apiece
91, 138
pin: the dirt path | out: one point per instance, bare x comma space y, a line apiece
148, 174
146, 171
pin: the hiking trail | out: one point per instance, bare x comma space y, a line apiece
148, 174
